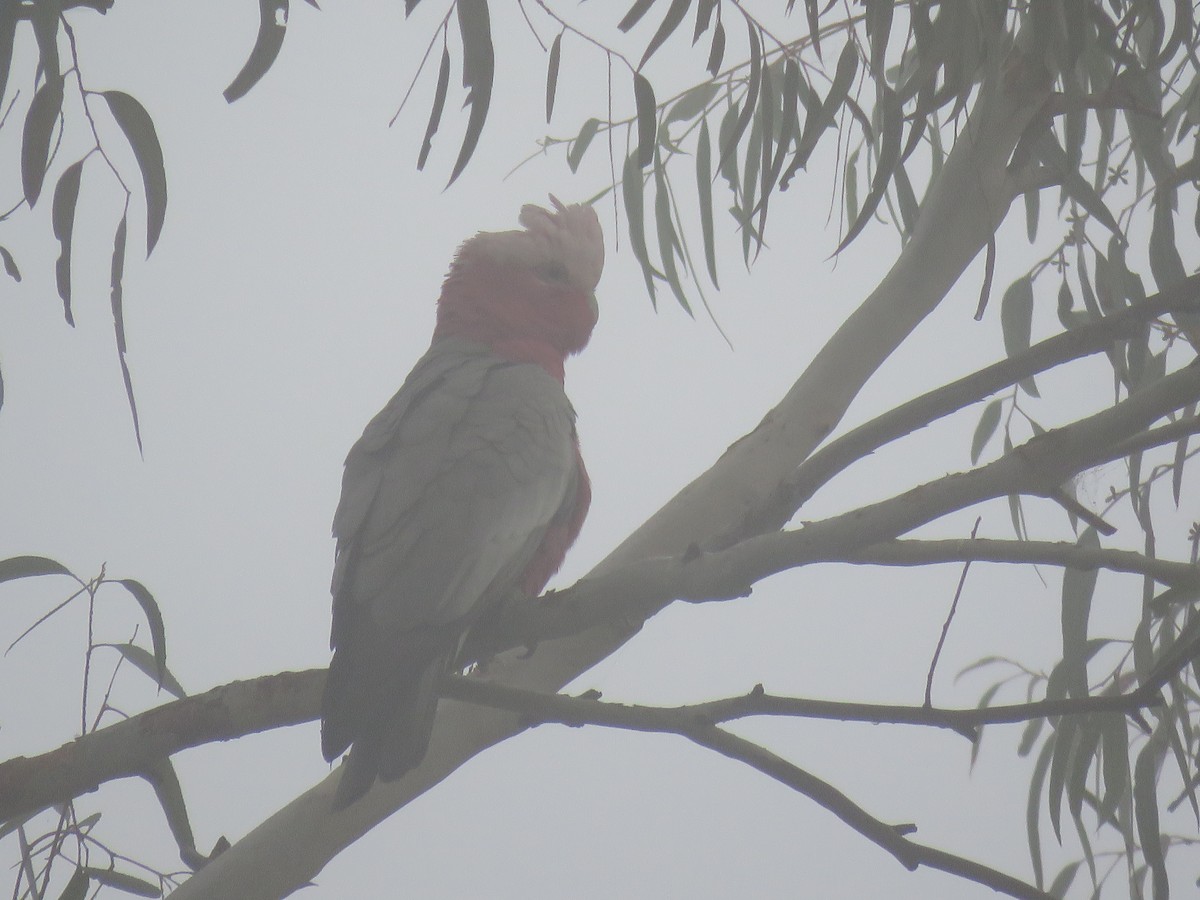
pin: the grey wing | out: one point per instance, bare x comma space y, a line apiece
448, 493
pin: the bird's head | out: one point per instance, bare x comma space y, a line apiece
530, 293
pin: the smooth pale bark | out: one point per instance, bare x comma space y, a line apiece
961, 212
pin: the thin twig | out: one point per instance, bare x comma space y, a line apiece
937, 652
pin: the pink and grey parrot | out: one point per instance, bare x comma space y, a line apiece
467, 485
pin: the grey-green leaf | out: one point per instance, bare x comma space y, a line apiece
704, 193
130, 884
580, 144
435, 112
272, 25
675, 13
30, 567
77, 887
1016, 322
1145, 800
643, 96
63, 220
142, 660
35, 139
632, 190
1078, 588
479, 65
139, 130
552, 75
158, 635
10, 264
988, 422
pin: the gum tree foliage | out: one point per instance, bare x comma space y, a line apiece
944, 115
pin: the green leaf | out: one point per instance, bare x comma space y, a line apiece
552, 75
1165, 263
891, 128
1145, 800
675, 13
692, 103
716, 51
479, 65
580, 144
158, 635
167, 789
1033, 808
750, 104
1115, 764
643, 95
128, 883
1029, 736
668, 240
77, 887
1016, 322
30, 567
139, 131
63, 219
35, 140
8, 30
10, 264
142, 660
1062, 881
825, 115
1032, 214
272, 24
118, 271
988, 422
435, 111
631, 18
1065, 743
704, 193
1078, 588
703, 18
632, 189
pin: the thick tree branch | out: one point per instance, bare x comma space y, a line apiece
958, 216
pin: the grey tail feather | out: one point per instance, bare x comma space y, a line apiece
389, 738
358, 773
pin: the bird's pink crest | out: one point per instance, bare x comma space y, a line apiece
567, 236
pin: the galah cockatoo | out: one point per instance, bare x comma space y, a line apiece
466, 486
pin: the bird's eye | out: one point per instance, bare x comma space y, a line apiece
552, 271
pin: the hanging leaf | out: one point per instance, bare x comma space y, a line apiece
1078, 587
10, 264
826, 115
143, 661
675, 13
435, 112
1033, 809
692, 103
77, 887
138, 127
169, 792
118, 272
716, 51
8, 30
632, 189
35, 141
63, 219
580, 144
272, 24
631, 18
703, 18
704, 193
1016, 323
30, 567
643, 95
158, 636
891, 128
814, 26
130, 884
552, 75
989, 420
1145, 804
478, 70
668, 241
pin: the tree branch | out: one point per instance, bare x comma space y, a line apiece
959, 214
